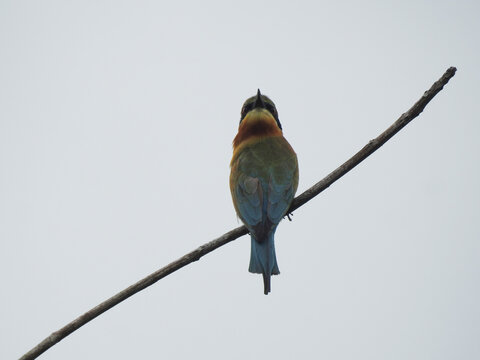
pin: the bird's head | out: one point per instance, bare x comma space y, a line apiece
257, 105
259, 119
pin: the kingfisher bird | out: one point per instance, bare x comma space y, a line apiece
263, 180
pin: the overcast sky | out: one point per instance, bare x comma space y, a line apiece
116, 123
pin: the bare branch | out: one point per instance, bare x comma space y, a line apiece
376, 143
196, 254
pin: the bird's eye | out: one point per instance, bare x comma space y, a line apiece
271, 109
246, 108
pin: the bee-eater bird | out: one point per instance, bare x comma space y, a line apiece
263, 180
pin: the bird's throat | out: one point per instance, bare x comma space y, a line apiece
256, 125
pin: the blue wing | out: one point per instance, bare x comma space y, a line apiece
262, 206
279, 197
249, 195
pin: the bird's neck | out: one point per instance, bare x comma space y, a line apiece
255, 126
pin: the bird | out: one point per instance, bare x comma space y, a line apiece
263, 180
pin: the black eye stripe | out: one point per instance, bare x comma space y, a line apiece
246, 108
271, 108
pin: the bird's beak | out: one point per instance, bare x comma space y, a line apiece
259, 101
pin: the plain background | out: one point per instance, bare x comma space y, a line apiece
116, 122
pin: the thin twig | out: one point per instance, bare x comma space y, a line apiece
196, 254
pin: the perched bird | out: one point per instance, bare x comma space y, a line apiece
263, 180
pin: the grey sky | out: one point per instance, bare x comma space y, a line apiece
116, 122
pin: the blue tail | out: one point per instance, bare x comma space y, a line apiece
263, 260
